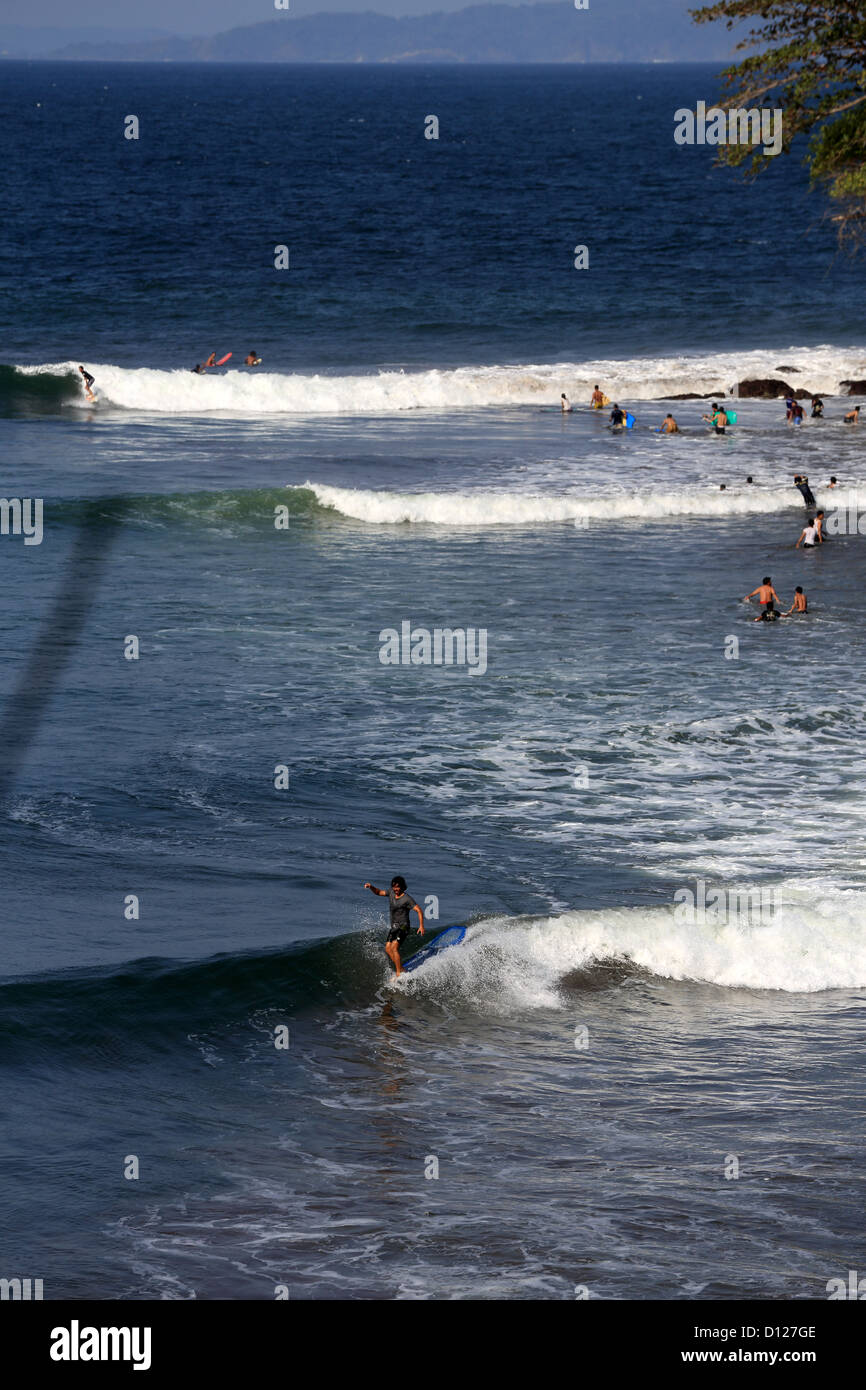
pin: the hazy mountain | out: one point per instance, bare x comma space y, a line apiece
609, 31
19, 41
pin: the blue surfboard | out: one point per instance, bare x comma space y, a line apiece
434, 942
629, 420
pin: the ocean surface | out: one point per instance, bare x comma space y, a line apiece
599, 1093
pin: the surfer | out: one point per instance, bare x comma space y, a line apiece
801, 483
566, 408
251, 360
617, 417
810, 535
669, 425
88, 384
597, 399
399, 905
799, 605
766, 594
198, 369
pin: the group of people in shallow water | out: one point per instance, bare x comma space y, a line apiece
812, 535
768, 598
794, 412
619, 419
719, 417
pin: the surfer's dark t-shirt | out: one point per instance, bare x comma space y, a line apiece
400, 910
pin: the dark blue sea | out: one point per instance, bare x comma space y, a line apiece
639, 1075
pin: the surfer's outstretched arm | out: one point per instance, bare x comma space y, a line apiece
380, 892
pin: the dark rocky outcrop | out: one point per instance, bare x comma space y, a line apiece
769, 388
855, 388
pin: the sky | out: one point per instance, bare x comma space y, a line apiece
197, 16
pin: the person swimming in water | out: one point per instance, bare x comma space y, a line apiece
567, 408
817, 408
799, 605
766, 594
88, 384
669, 425
251, 360
853, 416
399, 906
810, 535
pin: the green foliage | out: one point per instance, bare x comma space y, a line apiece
810, 62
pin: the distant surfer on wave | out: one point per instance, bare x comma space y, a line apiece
400, 905
251, 360
88, 384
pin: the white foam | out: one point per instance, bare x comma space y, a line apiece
630, 379
815, 941
476, 509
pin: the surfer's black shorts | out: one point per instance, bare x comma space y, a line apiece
398, 934
719, 430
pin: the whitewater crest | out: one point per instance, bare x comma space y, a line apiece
263, 392
810, 943
480, 509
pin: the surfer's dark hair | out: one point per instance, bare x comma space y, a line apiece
766, 579
398, 882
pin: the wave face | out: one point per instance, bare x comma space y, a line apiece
813, 940
251, 393
480, 509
